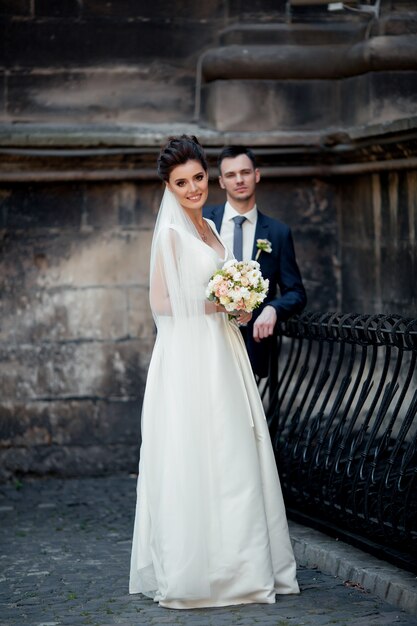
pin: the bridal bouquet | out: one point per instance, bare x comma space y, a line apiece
238, 286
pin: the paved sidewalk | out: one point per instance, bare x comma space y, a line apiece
65, 548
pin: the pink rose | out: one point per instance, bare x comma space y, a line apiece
222, 290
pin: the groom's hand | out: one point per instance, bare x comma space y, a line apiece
265, 323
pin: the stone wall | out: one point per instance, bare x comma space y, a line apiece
77, 332
89, 90
110, 61
377, 230
76, 328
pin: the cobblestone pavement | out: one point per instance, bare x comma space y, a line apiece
65, 549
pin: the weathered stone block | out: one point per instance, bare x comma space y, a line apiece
356, 213
24, 424
299, 202
86, 260
53, 206
354, 100
28, 258
398, 211
101, 423
63, 8
378, 217
269, 105
58, 43
68, 460
70, 423
68, 314
124, 204
258, 9
400, 18
392, 95
122, 95
359, 275
166, 8
14, 8
317, 257
399, 277
119, 422
88, 313
74, 370
140, 319
38, 274
118, 258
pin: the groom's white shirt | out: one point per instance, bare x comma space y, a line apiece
248, 229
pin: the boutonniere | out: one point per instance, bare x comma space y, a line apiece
263, 245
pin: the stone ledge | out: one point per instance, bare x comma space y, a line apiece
314, 549
72, 153
117, 136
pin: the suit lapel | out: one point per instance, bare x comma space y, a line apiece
261, 232
216, 215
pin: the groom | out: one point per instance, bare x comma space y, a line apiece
242, 226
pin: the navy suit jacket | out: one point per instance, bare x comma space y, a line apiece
281, 269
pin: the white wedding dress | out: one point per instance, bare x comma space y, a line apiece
210, 527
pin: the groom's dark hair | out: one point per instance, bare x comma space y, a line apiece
230, 152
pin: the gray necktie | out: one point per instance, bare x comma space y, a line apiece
238, 237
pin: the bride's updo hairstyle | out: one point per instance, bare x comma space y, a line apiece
178, 151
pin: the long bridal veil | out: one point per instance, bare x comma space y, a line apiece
172, 291
176, 477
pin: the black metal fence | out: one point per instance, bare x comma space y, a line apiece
342, 419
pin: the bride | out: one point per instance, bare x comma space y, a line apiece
210, 527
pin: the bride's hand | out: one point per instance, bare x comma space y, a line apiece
243, 317
220, 309
240, 316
